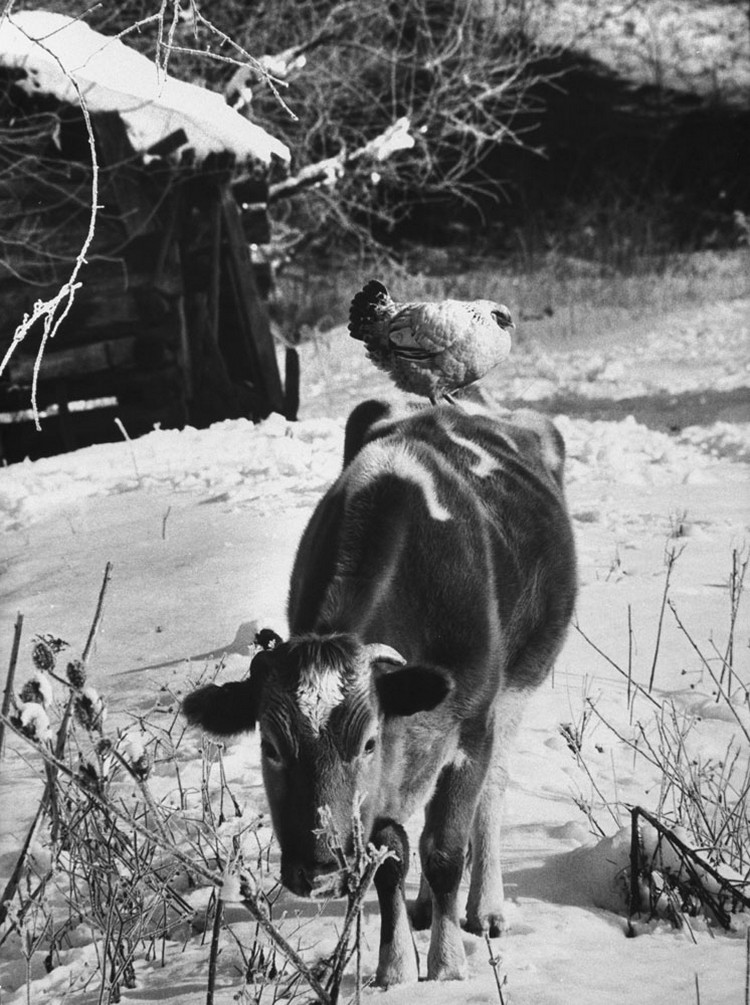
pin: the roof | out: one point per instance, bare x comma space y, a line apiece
53, 48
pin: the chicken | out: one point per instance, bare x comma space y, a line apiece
430, 349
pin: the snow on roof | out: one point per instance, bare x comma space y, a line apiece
51, 48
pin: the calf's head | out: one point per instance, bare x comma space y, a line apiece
322, 703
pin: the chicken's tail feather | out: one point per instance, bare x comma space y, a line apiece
369, 307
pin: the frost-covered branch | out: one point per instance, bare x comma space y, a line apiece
329, 171
51, 313
709, 883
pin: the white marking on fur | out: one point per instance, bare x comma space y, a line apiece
551, 455
318, 694
378, 459
485, 463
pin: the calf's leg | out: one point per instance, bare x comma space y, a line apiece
421, 910
485, 905
397, 958
443, 852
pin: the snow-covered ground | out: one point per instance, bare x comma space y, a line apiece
201, 528
690, 45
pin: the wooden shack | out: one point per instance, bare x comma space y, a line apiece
169, 325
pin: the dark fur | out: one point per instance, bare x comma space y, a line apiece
476, 607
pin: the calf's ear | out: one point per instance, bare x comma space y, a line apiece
232, 708
412, 689
223, 709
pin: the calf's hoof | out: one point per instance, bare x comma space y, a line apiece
397, 968
447, 971
446, 960
492, 924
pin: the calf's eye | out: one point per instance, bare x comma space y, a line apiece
369, 747
269, 751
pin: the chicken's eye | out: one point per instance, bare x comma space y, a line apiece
503, 318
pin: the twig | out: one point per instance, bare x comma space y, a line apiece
329, 171
48, 309
634, 902
97, 614
51, 763
694, 862
630, 659
8, 693
191, 863
672, 554
257, 65
494, 962
352, 914
15, 877
214, 950
360, 871
623, 673
582, 764
736, 585
708, 667
126, 436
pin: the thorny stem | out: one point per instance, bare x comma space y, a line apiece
257, 65
634, 901
8, 693
352, 914
97, 613
53, 312
214, 950
7, 8
615, 666
48, 309
212, 876
672, 554
15, 877
146, 793
736, 585
494, 962
694, 862
709, 668
48, 795
582, 763
630, 659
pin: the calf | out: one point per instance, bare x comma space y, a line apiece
430, 594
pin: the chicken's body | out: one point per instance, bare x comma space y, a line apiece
430, 349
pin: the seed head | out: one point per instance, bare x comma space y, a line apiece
90, 710
37, 689
46, 648
76, 673
42, 656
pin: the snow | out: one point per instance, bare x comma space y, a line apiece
63, 56
34, 720
201, 527
694, 46
235, 460
42, 688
